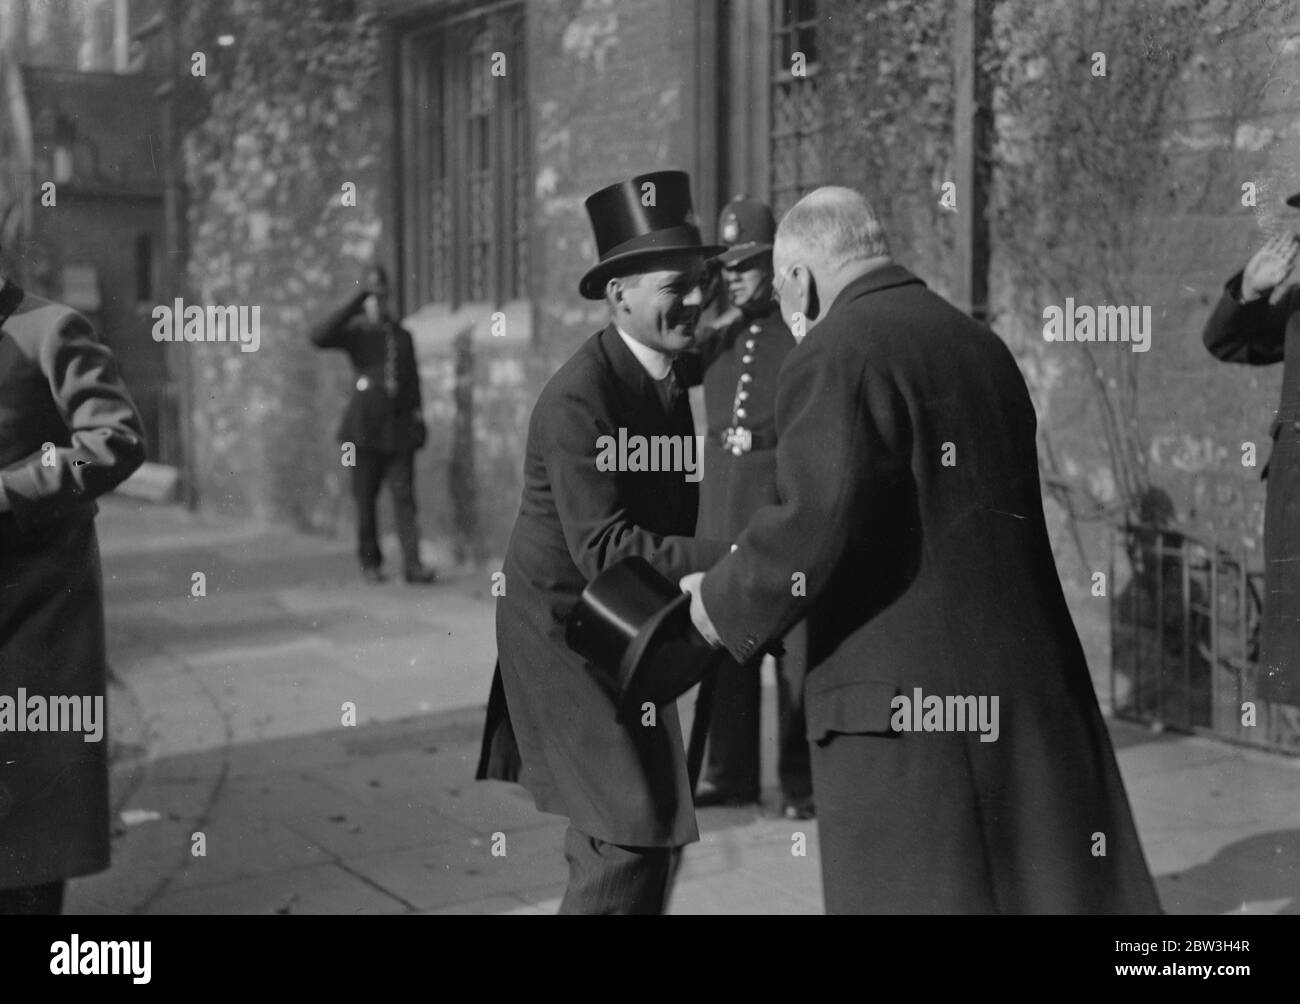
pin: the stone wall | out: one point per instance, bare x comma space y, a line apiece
613, 91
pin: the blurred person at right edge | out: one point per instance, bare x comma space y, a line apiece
741, 355
1257, 322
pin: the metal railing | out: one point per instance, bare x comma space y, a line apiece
1185, 624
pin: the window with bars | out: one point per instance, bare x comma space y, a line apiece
798, 126
465, 176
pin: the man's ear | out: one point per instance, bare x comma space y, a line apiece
614, 295
808, 292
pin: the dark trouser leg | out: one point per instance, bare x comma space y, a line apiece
793, 760
732, 765
367, 476
608, 878
32, 900
401, 486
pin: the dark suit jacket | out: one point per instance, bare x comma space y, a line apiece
57, 385
625, 784
373, 420
1260, 334
922, 575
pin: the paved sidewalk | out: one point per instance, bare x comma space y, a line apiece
229, 738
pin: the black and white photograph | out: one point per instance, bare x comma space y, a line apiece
650, 457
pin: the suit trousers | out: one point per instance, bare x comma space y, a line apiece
607, 878
373, 467
734, 728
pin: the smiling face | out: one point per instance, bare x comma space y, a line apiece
661, 306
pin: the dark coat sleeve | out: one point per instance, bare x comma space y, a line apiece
838, 459
334, 331
597, 528
1253, 333
106, 436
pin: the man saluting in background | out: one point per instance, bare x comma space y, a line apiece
384, 419
1257, 322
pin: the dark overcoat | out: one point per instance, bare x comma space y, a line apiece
622, 783
1260, 333
374, 420
910, 503
57, 385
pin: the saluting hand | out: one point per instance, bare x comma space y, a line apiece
1269, 266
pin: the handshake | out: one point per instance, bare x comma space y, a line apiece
699, 616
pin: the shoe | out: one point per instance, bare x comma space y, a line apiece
798, 808
421, 576
708, 797
374, 576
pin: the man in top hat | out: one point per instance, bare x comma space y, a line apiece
384, 419
69, 433
741, 355
960, 760
623, 786
1257, 322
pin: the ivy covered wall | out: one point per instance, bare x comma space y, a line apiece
292, 115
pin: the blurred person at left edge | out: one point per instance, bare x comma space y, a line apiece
69, 432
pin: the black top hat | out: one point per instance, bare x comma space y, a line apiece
747, 227
635, 624
647, 215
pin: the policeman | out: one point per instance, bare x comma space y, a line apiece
741, 355
383, 420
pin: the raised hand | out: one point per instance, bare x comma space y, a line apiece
1269, 266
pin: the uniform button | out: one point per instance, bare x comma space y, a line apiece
749, 344
736, 451
740, 412
753, 330
744, 396
363, 383
745, 378
747, 359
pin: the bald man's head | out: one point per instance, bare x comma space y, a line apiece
832, 225
827, 239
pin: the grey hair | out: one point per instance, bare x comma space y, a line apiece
832, 224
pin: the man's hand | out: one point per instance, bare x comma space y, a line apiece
1269, 266
700, 617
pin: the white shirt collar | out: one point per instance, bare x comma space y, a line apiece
655, 362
